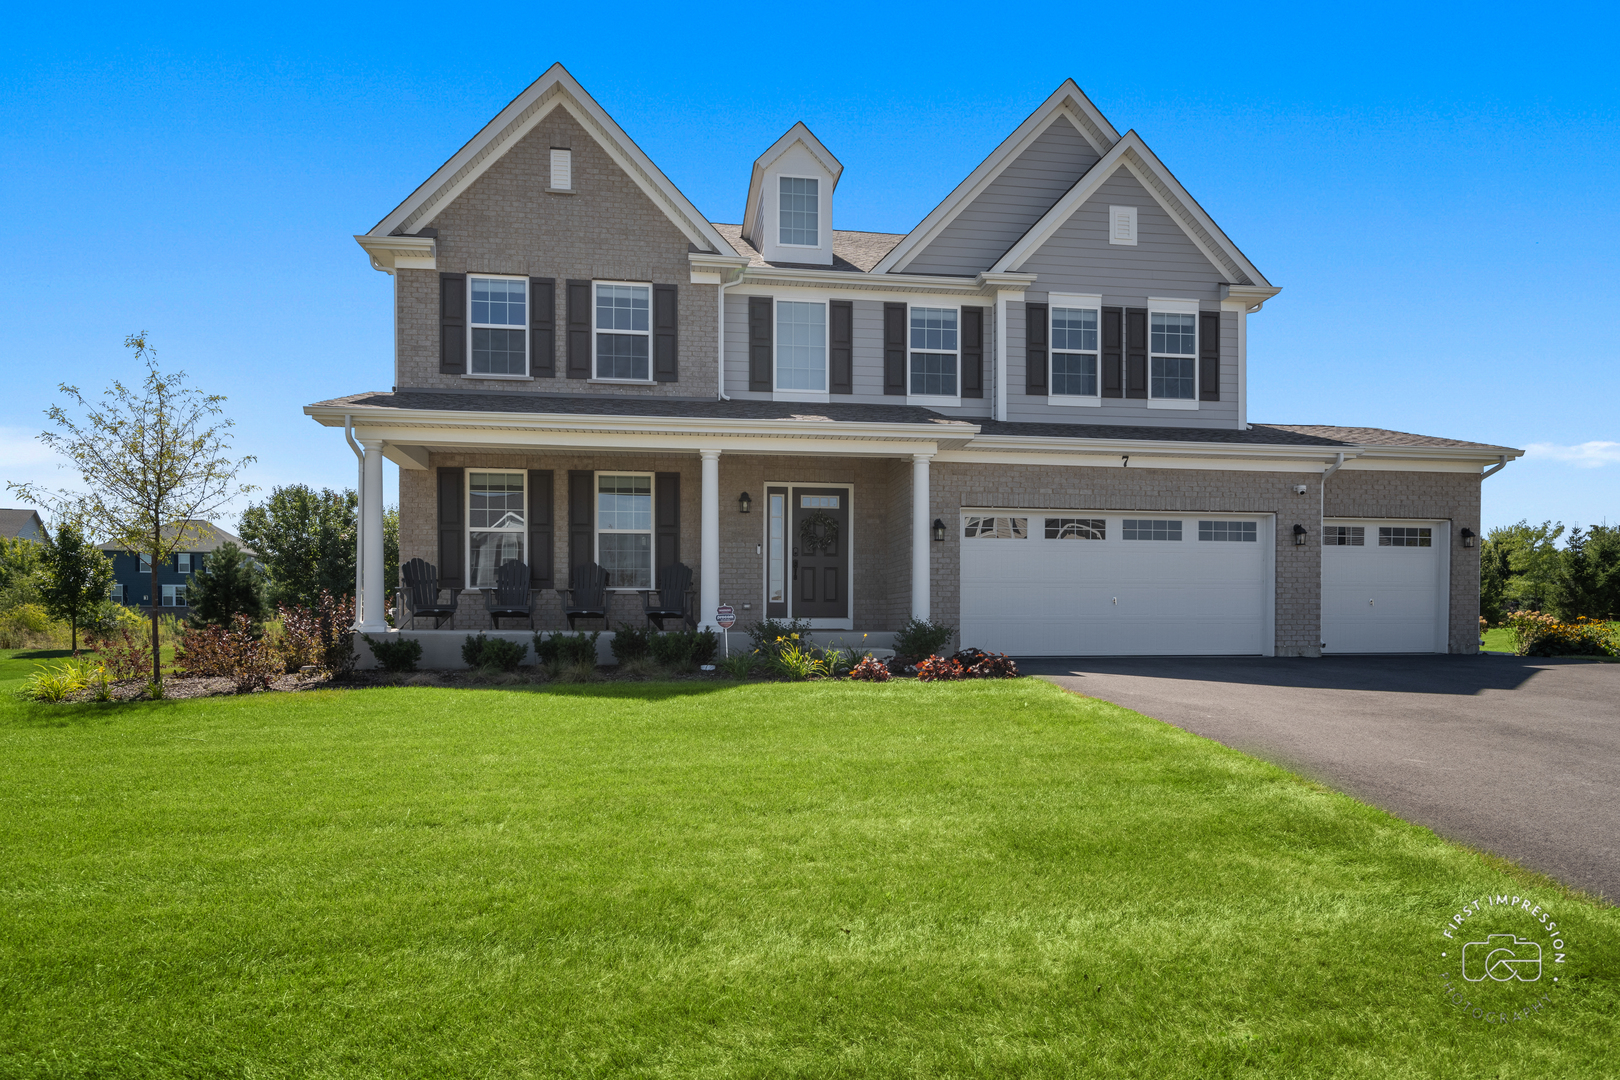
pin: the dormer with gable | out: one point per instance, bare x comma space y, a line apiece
788, 217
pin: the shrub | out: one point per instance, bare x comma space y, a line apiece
870, 670
919, 638
25, 625
683, 648
235, 652
982, 665
129, 654
503, 654
227, 584
55, 682
939, 669
566, 649
1536, 634
737, 666
400, 654
631, 642
472, 651
321, 635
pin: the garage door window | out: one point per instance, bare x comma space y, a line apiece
1344, 536
1152, 530
1227, 530
996, 528
1076, 529
1399, 536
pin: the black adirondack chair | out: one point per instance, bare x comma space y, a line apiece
420, 594
673, 597
586, 596
511, 598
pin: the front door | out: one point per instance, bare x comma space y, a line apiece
819, 539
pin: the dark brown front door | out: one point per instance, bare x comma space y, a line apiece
819, 538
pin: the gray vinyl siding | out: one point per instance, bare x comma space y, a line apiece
1014, 201
868, 357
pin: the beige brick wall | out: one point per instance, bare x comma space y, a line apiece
507, 223
1452, 497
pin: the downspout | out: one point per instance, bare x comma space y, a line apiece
360, 499
1501, 464
1321, 530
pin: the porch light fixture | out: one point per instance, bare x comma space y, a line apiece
744, 503
939, 531
1467, 537
1299, 536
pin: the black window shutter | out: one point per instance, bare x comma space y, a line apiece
759, 343
894, 348
1136, 343
581, 520
579, 329
973, 352
543, 327
1209, 356
1035, 342
841, 347
1113, 352
453, 324
666, 317
452, 536
541, 557
666, 520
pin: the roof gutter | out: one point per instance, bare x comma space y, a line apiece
1494, 469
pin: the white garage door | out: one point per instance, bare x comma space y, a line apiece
1384, 586
1096, 583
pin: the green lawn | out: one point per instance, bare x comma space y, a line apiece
826, 880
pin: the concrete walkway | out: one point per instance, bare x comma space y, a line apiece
1514, 755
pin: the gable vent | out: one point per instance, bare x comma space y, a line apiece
562, 169
1122, 225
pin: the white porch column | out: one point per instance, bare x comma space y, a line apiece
919, 536
372, 602
709, 532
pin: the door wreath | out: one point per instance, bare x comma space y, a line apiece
818, 532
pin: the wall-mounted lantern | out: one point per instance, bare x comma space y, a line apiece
744, 503
1299, 536
939, 531
1467, 537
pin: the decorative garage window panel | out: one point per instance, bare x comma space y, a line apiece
1152, 530
996, 528
1227, 530
1076, 529
1344, 536
1399, 536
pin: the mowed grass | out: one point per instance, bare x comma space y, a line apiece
678, 880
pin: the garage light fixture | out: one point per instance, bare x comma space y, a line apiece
939, 531
1299, 536
1467, 537
744, 503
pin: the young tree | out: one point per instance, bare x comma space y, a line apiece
152, 457
1586, 579
228, 584
19, 572
77, 578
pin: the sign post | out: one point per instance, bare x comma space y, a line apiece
726, 617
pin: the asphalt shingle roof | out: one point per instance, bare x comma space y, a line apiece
854, 252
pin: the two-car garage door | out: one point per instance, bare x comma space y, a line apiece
1096, 583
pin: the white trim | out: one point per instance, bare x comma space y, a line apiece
651, 532
847, 623
561, 166
817, 246
1189, 404
595, 330
390, 253
1122, 225
1173, 304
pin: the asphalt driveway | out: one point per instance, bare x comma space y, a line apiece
1514, 755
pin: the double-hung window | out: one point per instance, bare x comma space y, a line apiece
801, 347
624, 523
1074, 350
495, 524
1173, 356
146, 563
933, 353
800, 214
500, 322
174, 596
623, 332
115, 592
182, 562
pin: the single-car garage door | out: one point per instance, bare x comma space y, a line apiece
1384, 586
1099, 583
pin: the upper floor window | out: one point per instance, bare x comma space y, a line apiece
1173, 356
182, 562
624, 523
623, 332
146, 563
495, 524
500, 323
800, 211
933, 352
1074, 352
801, 346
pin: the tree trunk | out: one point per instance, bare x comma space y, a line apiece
73, 631
157, 652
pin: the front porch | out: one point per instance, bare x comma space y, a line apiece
441, 649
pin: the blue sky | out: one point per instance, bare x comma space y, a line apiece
1432, 187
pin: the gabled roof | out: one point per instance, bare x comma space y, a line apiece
853, 252
1131, 153
555, 89
15, 523
198, 535
1066, 101
798, 133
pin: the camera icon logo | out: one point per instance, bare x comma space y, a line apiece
1502, 957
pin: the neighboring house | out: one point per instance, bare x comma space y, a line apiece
1027, 417
23, 525
132, 573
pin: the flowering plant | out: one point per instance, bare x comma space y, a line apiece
1536, 634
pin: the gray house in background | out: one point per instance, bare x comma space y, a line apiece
1026, 417
22, 525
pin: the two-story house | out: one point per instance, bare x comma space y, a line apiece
1026, 417
132, 572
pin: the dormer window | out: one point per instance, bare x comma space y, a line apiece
800, 211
